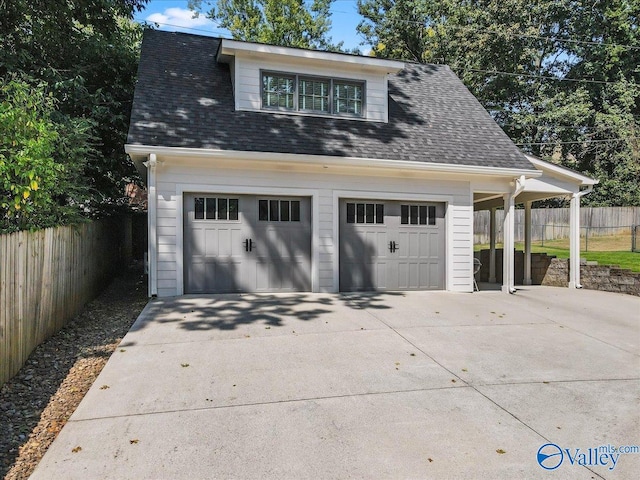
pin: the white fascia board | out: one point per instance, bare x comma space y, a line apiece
229, 48
556, 170
291, 158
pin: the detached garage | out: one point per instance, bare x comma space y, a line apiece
391, 245
275, 169
246, 243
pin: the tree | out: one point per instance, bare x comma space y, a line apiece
290, 23
34, 187
84, 54
560, 76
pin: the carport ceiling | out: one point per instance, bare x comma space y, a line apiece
485, 201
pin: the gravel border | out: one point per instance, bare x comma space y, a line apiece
38, 401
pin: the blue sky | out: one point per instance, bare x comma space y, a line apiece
173, 15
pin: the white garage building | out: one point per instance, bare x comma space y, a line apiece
274, 169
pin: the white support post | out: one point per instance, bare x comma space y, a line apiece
509, 234
492, 245
508, 227
574, 238
527, 243
574, 242
152, 205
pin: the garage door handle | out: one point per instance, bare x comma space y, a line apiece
393, 246
248, 245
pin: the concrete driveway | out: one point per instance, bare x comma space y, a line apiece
405, 385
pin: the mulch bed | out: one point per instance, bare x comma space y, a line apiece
38, 401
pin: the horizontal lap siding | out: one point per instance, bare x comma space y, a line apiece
170, 176
166, 242
325, 238
167, 247
461, 245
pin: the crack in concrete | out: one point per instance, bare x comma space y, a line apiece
473, 387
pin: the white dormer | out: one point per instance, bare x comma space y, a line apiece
308, 82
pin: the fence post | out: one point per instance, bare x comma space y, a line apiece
586, 239
634, 236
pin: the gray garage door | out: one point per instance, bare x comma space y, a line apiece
246, 243
391, 245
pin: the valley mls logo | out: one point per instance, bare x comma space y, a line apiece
550, 456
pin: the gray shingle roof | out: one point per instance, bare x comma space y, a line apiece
184, 98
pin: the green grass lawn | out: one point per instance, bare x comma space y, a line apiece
628, 259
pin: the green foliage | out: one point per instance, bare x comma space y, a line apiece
34, 187
84, 53
27, 141
622, 258
290, 23
591, 126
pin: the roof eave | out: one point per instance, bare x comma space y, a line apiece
229, 48
564, 172
141, 151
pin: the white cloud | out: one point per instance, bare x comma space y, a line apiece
180, 18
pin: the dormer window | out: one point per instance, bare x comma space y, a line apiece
278, 91
348, 98
314, 95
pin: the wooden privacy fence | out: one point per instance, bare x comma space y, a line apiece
553, 223
46, 277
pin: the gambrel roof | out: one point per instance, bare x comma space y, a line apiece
184, 98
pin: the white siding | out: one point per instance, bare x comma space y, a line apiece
174, 177
248, 94
461, 247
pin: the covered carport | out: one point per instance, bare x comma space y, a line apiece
554, 181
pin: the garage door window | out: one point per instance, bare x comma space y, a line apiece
214, 208
279, 210
365, 213
417, 214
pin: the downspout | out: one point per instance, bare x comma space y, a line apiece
520, 183
575, 262
508, 249
527, 243
152, 206
582, 193
492, 245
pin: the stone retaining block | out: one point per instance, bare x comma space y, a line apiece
551, 271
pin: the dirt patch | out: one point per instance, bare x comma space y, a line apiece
38, 401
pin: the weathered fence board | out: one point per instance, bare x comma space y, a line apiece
553, 223
46, 277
